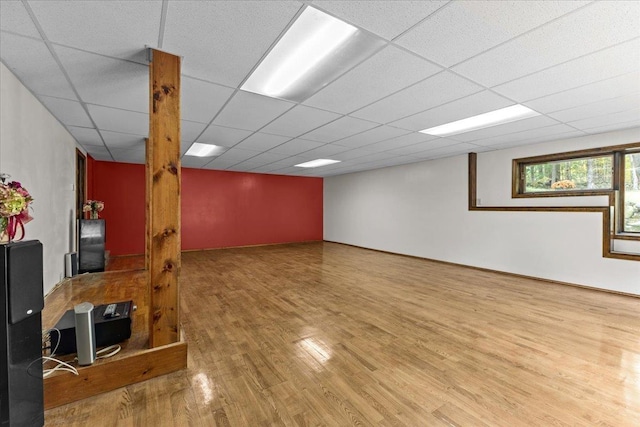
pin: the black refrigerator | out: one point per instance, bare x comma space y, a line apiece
91, 245
21, 304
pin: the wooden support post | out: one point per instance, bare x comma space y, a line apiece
163, 198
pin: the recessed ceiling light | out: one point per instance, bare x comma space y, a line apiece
204, 150
316, 49
481, 121
317, 163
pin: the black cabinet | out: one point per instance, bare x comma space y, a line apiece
91, 239
21, 304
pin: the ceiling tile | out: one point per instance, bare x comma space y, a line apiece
115, 28
194, 162
383, 18
370, 81
189, 131
235, 155
262, 141
123, 84
299, 120
401, 141
250, 111
223, 136
323, 152
265, 158
466, 28
341, 128
621, 59
222, 41
119, 120
70, 113
371, 136
517, 126
128, 155
295, 146
99, 153
517, 138
469, 106
581, 32
201, 101
451, 150
411, 150
607, 119
85, 136
117, 140
32, 62
615, 126
429, 93
520, 141
598, 91
599, 108
15, 18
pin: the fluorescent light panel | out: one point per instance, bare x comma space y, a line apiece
317, 163
204, 150
481, 121
316, 49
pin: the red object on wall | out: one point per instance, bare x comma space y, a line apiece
219, 208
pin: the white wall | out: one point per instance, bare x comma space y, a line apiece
36, 150
421, 209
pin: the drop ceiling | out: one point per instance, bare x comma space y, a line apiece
575, 62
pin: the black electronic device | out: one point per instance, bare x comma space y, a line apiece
21, 303
112, 326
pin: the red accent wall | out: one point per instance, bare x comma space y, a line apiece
219, 208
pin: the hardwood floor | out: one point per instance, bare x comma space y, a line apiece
327, 334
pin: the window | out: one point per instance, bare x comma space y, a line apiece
630, 194
582, 174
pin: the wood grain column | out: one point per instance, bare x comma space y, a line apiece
163, 198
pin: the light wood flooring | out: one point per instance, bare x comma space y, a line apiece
328, 334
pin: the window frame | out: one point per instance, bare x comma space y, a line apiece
620, 202
616, 151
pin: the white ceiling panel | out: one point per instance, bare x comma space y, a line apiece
517, 126
189, 131
32, 62
559, 130
119, 120
262, 142
99, 153
122, 84
194, 162
266, 158
235, 155
514, 142
323, 152
116, 28
341, 128
451, 150
299, 120
250, 111
410, 150
117, 140
223, 136
362, 156
384, 18
218, 164
616, 126
621, 59
295, 146
85, 136
472, 105
429, 93
69, 112
400, 141
596, 26
607, 119
599, 108
201, 101
466, 28
128, 155
371, 81
598, 91
371, 136
15, 18
222, 41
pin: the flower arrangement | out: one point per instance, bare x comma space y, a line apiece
93, 207
563, 185
14, 209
